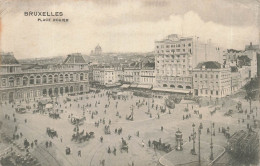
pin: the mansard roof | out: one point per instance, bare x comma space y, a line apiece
209, 65
8, 59
74, 59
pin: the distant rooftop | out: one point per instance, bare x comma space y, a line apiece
76, 58
209, 65
252, 47
8, 59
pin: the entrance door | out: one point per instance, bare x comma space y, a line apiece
11, 97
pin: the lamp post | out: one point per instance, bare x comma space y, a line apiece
199, 143
211, 146
193, 149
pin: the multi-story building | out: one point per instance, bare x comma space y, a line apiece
200, 51
132, 73
173, 73
106, 75
176, 57
70, 77
147, 76
210, 79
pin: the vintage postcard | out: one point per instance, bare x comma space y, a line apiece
129, 82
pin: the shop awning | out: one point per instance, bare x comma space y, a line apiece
125, 86
133, 85
144, 86
173, 90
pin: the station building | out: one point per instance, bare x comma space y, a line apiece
19, 83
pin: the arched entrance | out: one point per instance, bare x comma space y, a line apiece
81, 88
56, 91
11, 97
180, 86
44, 92
66, 89
50, 92
61, 90
71, 89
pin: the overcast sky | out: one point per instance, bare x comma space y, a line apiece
124, 26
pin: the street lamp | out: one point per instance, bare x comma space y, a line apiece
211, 146
193, 149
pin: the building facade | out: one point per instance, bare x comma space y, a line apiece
173, 72
147, 74
210, 79
70, 77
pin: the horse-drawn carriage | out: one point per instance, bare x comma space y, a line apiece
162, 146
20, 110
80, 137
51, 132
229, 113
77, 120
124, 146
54, 115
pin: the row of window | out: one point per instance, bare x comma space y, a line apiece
171, 61
206, 76
42, 80
173, 86
210, 91
174, 45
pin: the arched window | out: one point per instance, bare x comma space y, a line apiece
11, 81
180, 86
50, 79
61, 78
38, 79
31, 80
44, 79
188, 87
164, 85
66, 78
81, 76
25, 81
71, 77
172, 86
56, 78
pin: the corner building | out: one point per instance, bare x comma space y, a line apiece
18, 84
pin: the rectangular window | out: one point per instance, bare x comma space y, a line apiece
216, 92
216, 76
200, 75
201, 91
211, 92
195, 75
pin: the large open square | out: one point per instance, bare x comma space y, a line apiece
106, 113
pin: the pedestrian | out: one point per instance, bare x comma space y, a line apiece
79, 153
143, 143
60, 139
149, 143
